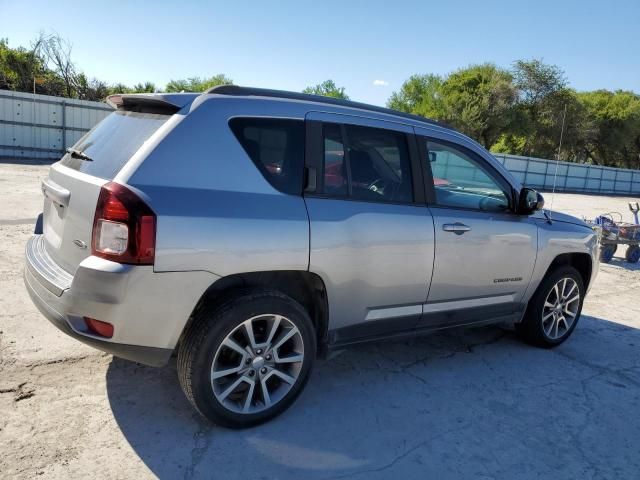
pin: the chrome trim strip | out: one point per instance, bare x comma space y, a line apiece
416, 310
470, 303
394, 312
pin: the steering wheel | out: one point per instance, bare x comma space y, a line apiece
377, 186
491, 204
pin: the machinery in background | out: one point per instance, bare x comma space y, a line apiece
613, 232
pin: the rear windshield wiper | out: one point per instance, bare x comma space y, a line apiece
78, 154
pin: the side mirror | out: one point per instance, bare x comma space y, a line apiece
433, 156
530, 201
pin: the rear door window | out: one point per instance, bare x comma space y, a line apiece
112, 142
276, 146
379, 165
374, 167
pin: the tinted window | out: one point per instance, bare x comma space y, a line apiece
377, 164
112, 142
276, 146
462, 181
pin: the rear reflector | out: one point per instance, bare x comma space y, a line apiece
98, 327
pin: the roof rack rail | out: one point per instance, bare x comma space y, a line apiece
237, 90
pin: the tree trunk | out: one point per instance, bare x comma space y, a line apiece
590, 156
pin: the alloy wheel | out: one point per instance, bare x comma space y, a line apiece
257, 364
560, 308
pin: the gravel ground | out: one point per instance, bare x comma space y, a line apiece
465, 403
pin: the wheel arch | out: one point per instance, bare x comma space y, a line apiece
305, 287
582, 262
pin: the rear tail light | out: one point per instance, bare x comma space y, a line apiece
124, 227
99, 327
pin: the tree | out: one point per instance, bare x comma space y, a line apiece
20, 69
479, 101
543, 101
615, 138
49, 65
327, 88
17, 66
420, 95
537, 81
119, 88
539, 135
518, 111
146, 87
197, 84
542, 96
93, 89
57, 54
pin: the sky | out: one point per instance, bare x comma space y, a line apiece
368, 47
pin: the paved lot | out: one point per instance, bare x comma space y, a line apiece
468, 403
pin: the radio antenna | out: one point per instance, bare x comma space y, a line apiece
555, 175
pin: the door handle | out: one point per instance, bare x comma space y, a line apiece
54, 192
457, 228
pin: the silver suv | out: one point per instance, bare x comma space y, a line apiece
250, 231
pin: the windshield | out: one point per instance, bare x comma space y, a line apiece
112, 142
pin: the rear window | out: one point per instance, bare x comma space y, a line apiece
276, 146
112, 142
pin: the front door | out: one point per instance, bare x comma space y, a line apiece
484, 253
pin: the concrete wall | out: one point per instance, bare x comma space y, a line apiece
42, 126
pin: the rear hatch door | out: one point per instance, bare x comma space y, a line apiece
71, 190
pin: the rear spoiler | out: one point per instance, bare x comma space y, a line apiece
166, 103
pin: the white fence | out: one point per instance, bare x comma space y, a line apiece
42, 126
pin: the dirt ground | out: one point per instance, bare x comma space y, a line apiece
466, 403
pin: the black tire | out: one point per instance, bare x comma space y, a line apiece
208, 330
531, 328
632, 254
607, 252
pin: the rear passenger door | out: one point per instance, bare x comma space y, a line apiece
372, 237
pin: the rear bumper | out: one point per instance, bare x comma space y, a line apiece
147, 309
155, 357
